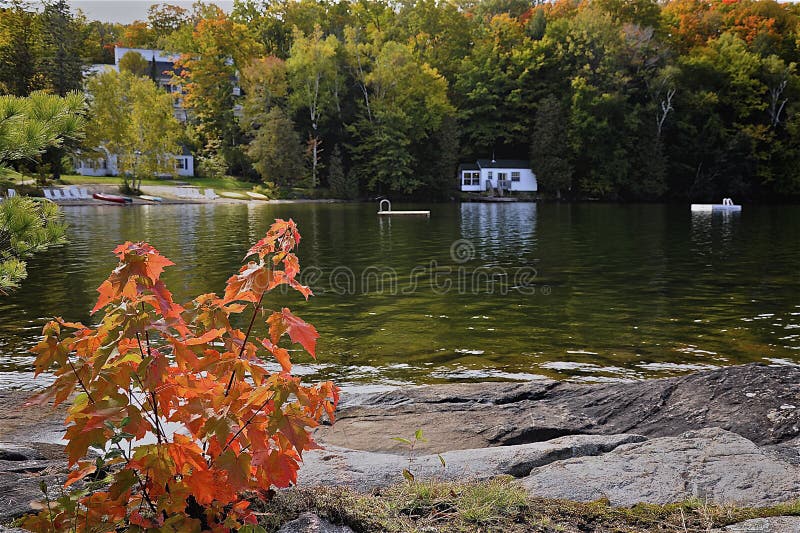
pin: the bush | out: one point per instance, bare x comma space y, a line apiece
211, 166
242, 427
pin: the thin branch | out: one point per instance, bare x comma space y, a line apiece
151, 398
124, 455
249, 420
256, 309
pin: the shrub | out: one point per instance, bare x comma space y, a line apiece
268, 189
151, 362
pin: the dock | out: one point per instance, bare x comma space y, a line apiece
388, 211
727, 205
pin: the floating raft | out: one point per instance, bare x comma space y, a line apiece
726, 205
388, 211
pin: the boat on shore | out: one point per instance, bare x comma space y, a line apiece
151, 198
113, 198
257, 196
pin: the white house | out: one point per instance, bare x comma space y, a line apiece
162, 68
510, 175
107, 166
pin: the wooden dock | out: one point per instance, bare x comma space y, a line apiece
388, 211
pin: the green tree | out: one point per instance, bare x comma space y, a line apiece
550, 157
61, 63
20, 50
486, 88
134, 63
342, 185
132, 121
30, 125
409, 104
214, 49
314, 77
27, 226
165, 19
276, 150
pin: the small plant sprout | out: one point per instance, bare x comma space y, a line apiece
412, 443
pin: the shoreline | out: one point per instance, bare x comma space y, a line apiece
723, 437
519, 412
169, 198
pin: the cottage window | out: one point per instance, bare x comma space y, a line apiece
180, 163
471, 178
489, 175
515, 176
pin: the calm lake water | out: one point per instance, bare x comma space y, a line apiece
476, 292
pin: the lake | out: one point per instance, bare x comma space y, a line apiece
518, 291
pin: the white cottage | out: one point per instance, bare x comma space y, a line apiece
93, 165
510, 175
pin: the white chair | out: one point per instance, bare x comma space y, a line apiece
72, 194
83, 194
58, 195
195, 194
12, 193
210, 195
48, 194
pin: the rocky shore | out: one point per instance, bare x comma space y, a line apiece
728, 436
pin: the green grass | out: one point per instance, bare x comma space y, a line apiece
493, 506
228, 183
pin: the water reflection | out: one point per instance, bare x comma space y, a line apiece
619, 292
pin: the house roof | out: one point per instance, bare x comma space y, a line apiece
468, 166
504, 163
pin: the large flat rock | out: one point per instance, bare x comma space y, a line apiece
311, 523
772, 524
756, 401
22, 470
711, 464
368, 470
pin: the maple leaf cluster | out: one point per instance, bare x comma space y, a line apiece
152, 363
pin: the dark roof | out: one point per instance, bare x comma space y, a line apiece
504, 163
468, 166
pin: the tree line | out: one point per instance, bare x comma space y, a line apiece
610, 99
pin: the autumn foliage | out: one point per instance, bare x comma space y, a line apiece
152, 364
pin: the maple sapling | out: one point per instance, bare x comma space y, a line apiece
152, 362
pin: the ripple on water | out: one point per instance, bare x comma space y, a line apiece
637, 291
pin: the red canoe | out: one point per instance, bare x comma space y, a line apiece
112, 198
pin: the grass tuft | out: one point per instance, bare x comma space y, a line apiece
499, 505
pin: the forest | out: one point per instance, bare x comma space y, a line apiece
619, 100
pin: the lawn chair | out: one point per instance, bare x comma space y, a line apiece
83, 194
59, 196
72, 194
210, 195
12, 193
195, 194
48, 194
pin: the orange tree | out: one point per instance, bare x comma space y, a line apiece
152, 364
